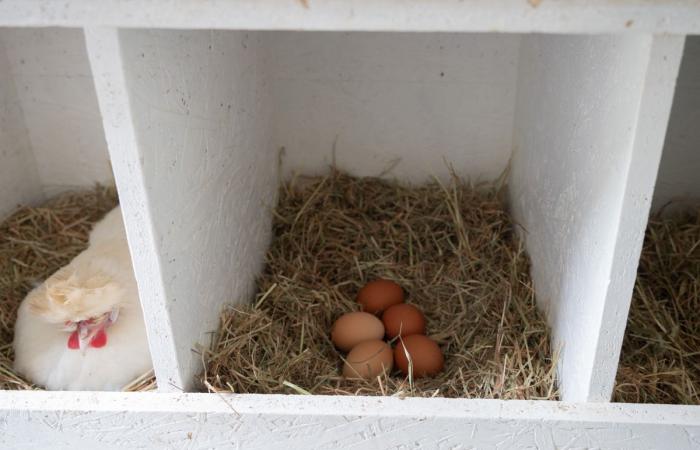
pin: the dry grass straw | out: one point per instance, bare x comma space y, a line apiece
454, 250
34, 243
660, 360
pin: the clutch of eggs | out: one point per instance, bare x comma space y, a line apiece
361, 334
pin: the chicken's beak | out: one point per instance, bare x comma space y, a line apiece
88, 329
87, 332
85, 335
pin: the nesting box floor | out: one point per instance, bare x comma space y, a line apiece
34, 243
660, 358
451, 246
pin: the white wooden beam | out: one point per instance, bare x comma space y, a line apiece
187, 122
69, 420
548, 16
104, 50
640, 178
590, 121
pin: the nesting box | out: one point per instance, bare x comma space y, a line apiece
191, 105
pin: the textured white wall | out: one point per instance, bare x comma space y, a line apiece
197, 174
679, 173
62, 420
412, 101
19, 180
54, 85
580, 103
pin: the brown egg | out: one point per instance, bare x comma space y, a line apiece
425, 354
403, 318
369, 359
378, 295
352, 328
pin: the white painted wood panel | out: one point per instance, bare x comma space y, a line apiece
552, 16
187, 421
590, 119
640, 177
679, 173
411, 101
115, 105
187, 119
56, 94
19, 180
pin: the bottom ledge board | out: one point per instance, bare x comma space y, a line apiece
76, 420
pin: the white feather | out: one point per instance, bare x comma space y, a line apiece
95, 281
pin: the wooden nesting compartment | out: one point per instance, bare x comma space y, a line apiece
54, 154
211, 136
195, 110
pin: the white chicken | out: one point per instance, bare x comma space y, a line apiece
83, 328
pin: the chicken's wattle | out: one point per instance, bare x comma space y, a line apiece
91, 332
73, 341
99, 341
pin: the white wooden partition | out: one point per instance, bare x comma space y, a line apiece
191, 102
586, 152
197, 173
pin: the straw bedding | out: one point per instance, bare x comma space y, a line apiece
451, 246
660, 360
454, 250
34, 243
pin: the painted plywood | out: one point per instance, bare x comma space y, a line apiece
19, 180
552, 16
197, 174
187, 421
105, 59
590, 122
55, 90
649, 134
409, 102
